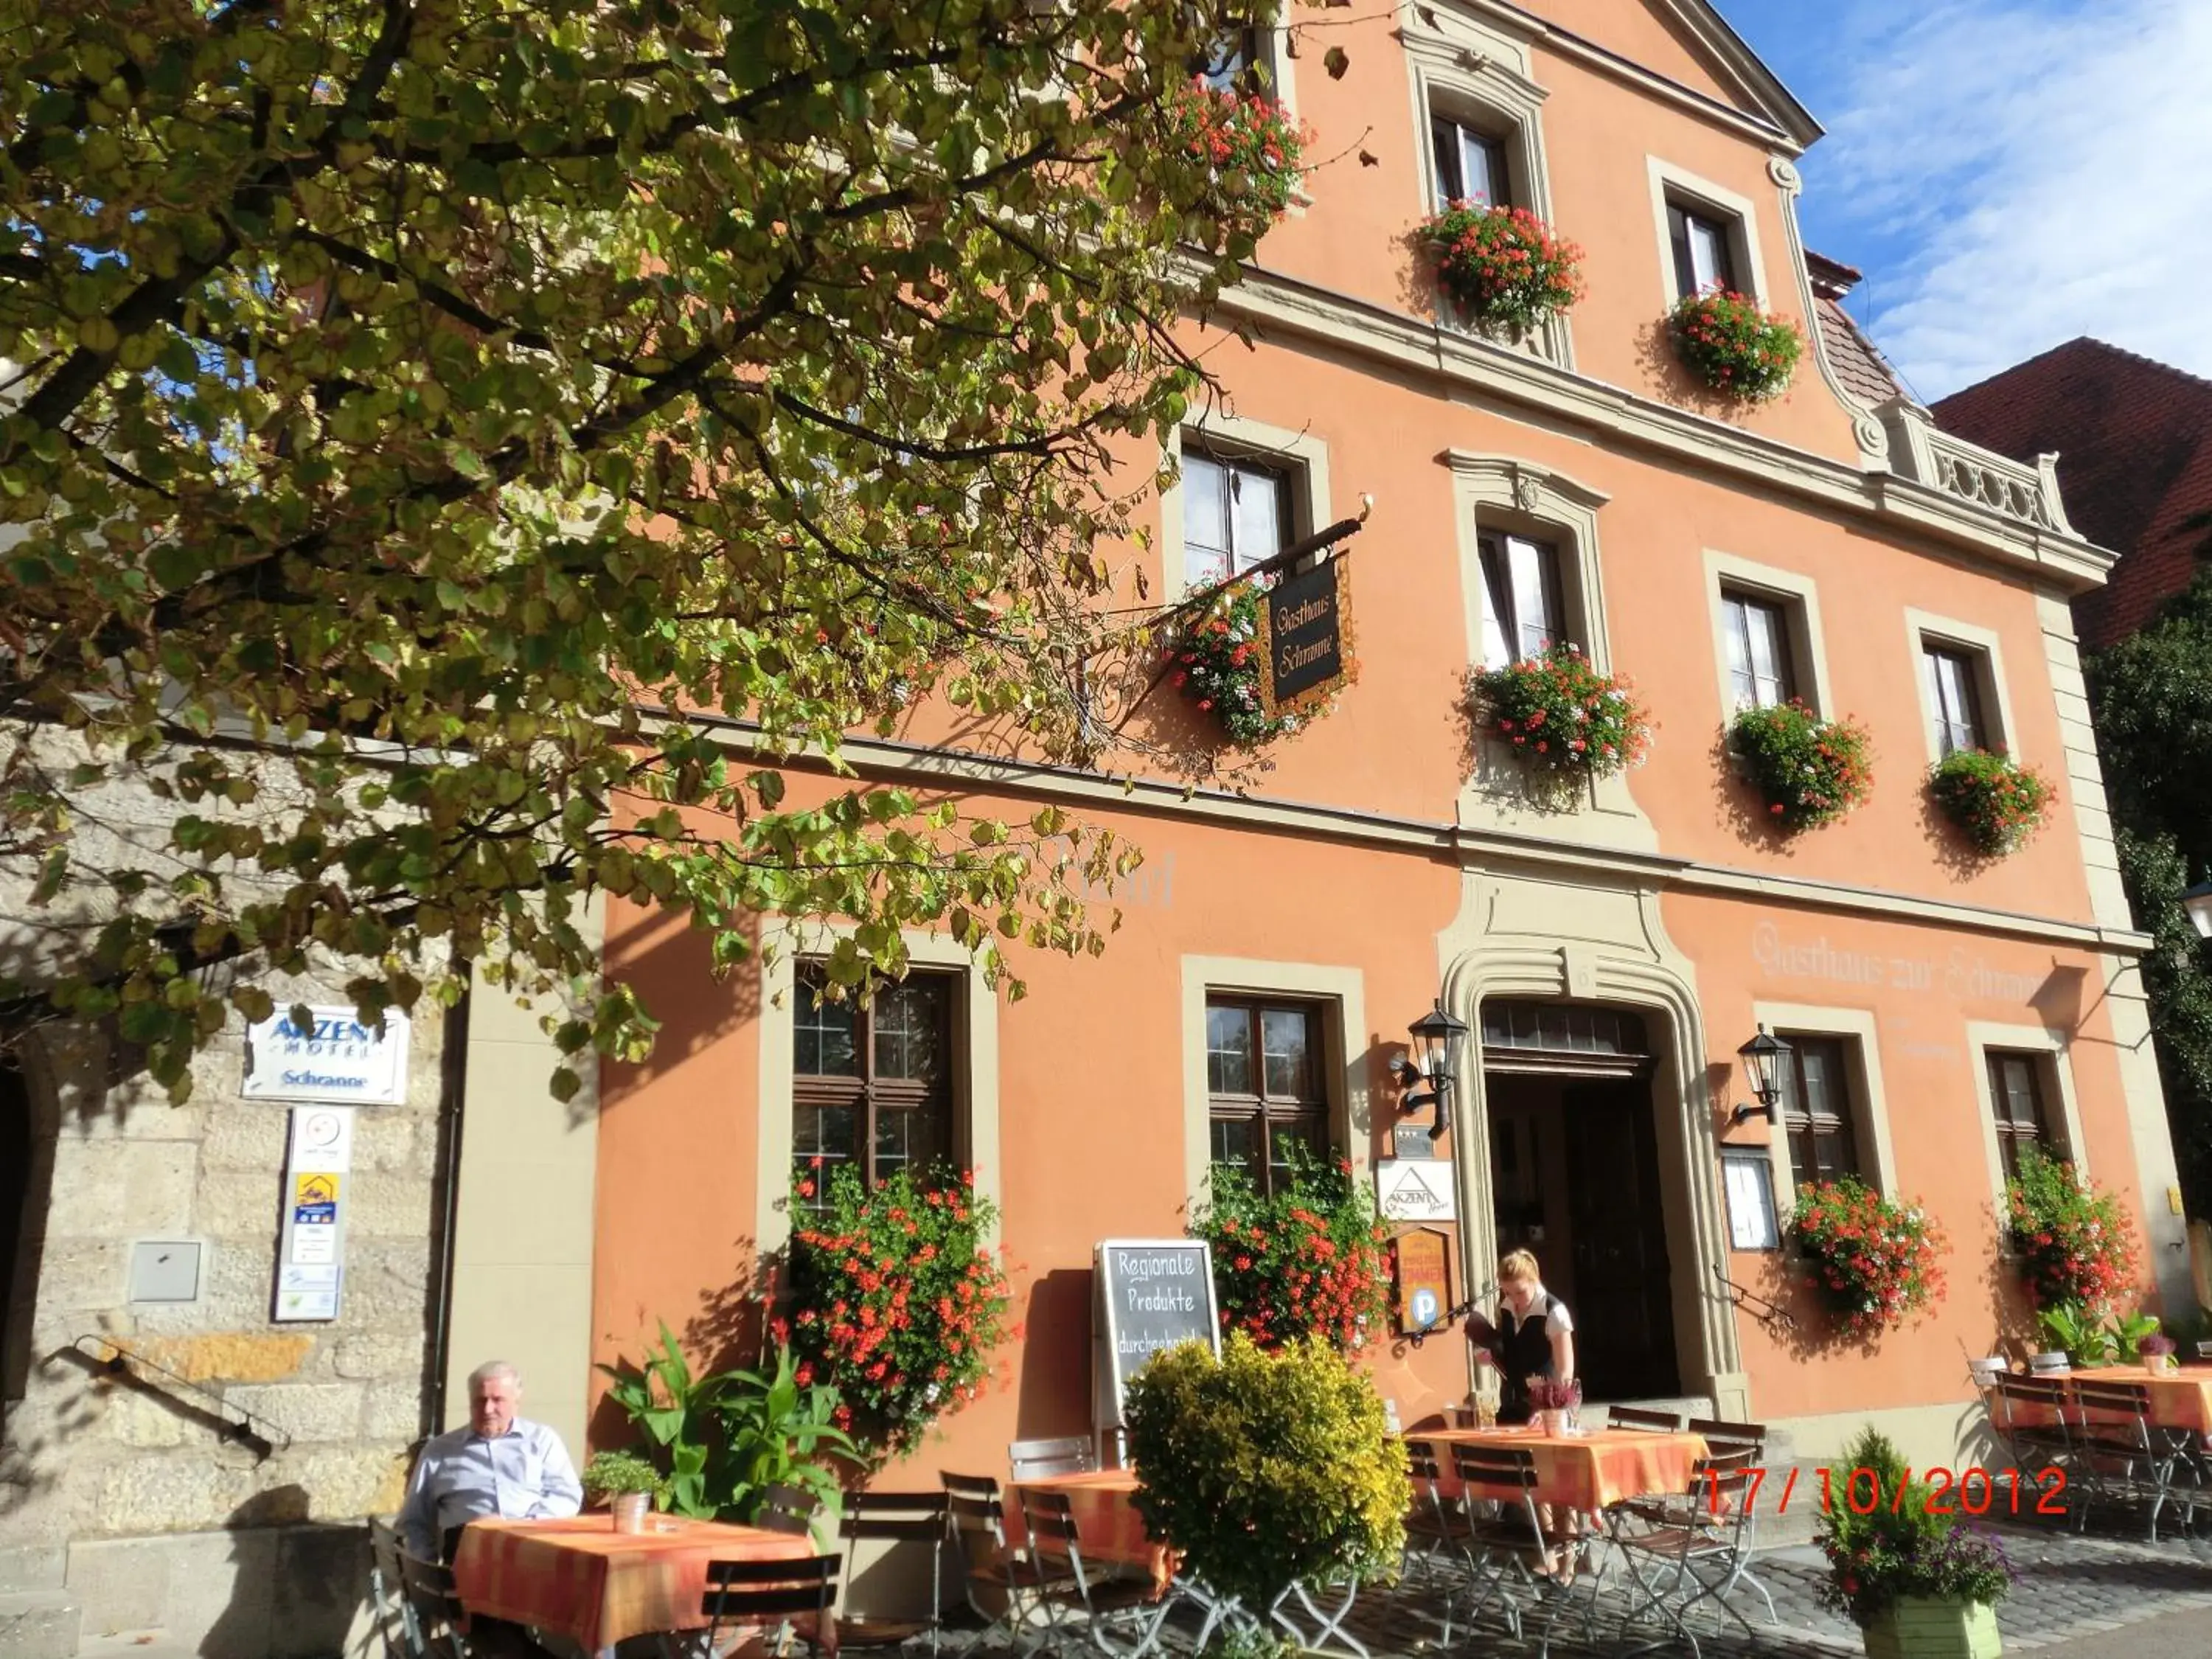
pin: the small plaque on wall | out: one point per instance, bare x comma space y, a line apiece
1748, 1178
1424, 1294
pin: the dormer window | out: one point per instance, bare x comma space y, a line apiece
1470, 165
1705, 255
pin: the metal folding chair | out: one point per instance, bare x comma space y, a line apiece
396, 1628
2117, 1446
774, 1594
438, 1616
1685, 1552
1038, 1460
1502, 1547
1635, 1417
2034, 1419
1118, 1615
996, 1576
892, 1517
1436, 1541
788, 1510
1721, 1435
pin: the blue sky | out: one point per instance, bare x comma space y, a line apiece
2009, 173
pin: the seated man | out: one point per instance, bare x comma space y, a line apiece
500, 1465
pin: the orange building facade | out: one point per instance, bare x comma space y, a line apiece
1611, 957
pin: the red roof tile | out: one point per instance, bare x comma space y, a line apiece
2133, 439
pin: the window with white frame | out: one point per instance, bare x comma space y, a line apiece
1470, 164
1266, 1085
1761, 653
1523, 614
873, 1085
1704, 240
2018, 1100
1954, 675
1237, 511
1819, 1115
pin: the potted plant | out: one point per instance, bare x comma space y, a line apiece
2076, 1333
1503, 266
1563, 720
1996, 802
1917, 1584
1733, 347
632, 1486
1873, 1262
1809, 771
1555, 1404
1308, 1262
2074, 1244
1266, 1470
2158, 1355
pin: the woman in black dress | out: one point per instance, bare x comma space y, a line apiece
1535, 1335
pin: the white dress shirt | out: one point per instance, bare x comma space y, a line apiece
524, 1474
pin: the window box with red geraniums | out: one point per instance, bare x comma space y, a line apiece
1873, 1263
1562, 717
896, 1302
2074, 1242
1503, 266
1252, 145
1997, 802
1733, 347
1306, 1262
1217, 666
1809, 771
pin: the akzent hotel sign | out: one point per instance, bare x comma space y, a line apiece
337, 1057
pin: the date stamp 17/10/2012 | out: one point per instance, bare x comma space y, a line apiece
1937, 1490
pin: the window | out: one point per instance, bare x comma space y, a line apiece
1233, 62
1522, 613
1470, 165
872, 1087
1235, 513
1265, 1088
2016, 1099
1816, 1110
1704, 260
1954, 698
1760, 672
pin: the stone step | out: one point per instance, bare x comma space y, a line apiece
32, 1567
137, 1644
41, 1624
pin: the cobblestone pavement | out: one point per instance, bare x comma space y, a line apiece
2074, 1592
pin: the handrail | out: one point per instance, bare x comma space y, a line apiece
1922, 452
1771, 1316
233, 1423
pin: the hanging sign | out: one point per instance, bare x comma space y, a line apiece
335, 1057
1424, 1257
1152, 1293
1416, 1189
1305, 636
310, 1256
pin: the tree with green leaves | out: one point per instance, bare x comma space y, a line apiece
455, 454
2152, 698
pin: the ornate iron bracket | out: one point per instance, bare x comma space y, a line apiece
1772, 1316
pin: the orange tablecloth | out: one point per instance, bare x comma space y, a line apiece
1584, 1471
2179, 1399
581, 1577
1104, 1503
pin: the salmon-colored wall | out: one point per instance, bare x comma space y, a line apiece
1090, 1063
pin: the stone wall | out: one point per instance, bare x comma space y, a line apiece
154, 1518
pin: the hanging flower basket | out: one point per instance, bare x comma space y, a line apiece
1216, 665
1733, 347
1252, 144
1809, 771
1996, 802
1502, 265
1872, 1262
1561, 715
2076, 1245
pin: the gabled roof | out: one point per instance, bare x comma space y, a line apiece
2134, 441
1858, 362
1768, 94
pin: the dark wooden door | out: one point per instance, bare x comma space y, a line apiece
1624, 1303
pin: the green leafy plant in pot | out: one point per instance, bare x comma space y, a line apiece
1917, 1584
630, 1484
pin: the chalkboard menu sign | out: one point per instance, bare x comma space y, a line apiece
1152, 1293
1305, 636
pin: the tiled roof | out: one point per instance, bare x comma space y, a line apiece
1862, 369
2134, 439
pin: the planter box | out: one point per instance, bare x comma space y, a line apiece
1918, 1628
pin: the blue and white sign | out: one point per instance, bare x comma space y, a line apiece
1426, 1308
336, 1058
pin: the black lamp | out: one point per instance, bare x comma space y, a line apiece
2197, 901
1763, 1056
1436, 1038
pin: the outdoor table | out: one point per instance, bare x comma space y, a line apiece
1104, 1504
2179, 1399
1586, 1472
580, 1577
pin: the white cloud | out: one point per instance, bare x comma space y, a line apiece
2042, 175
